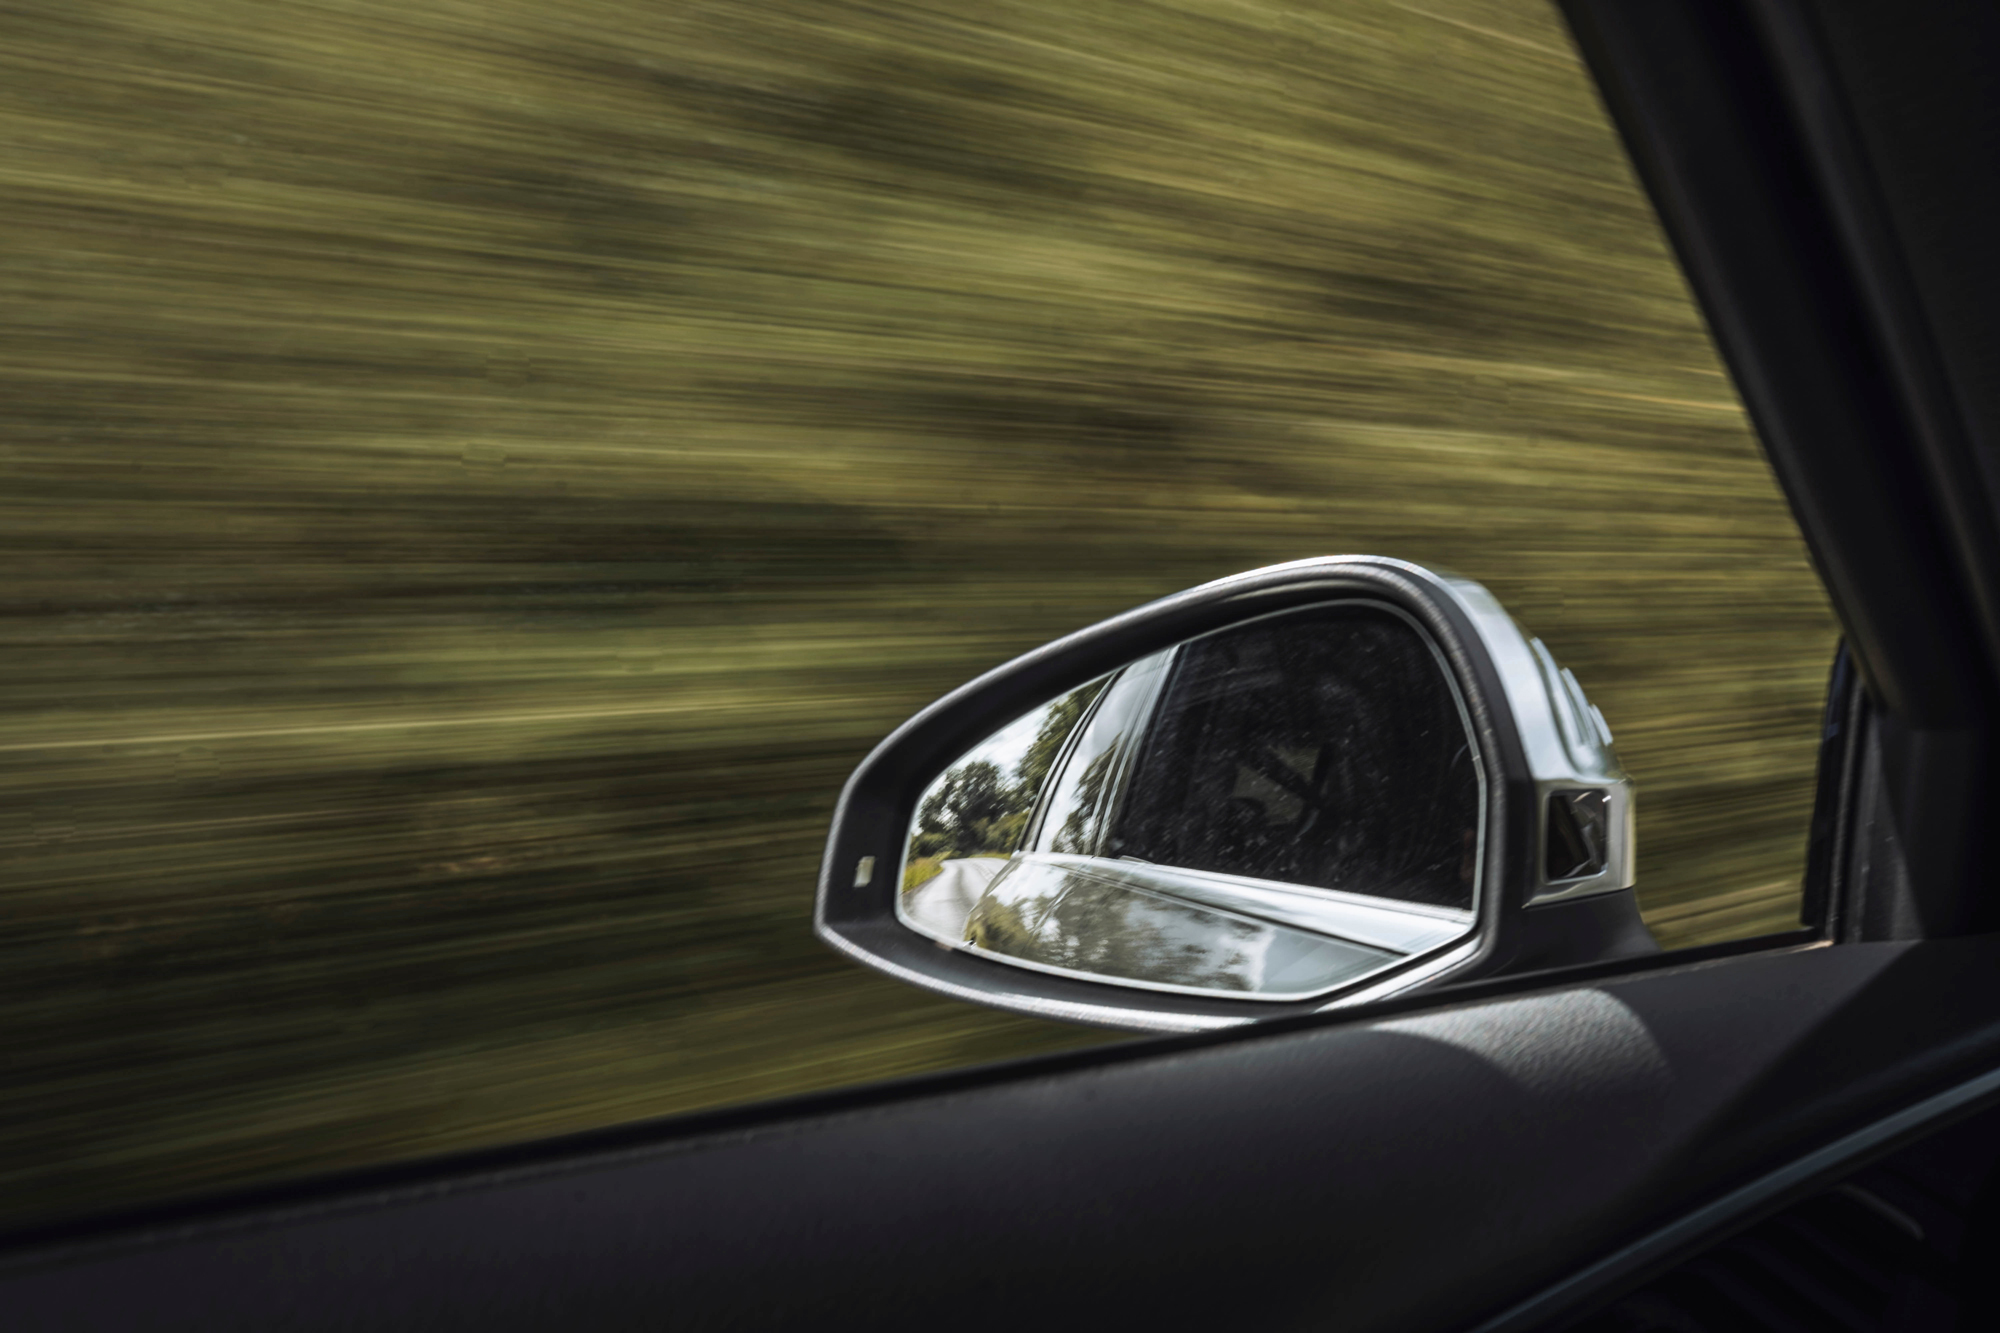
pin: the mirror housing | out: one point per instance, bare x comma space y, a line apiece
1555, 871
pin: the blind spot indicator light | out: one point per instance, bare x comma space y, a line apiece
864, 870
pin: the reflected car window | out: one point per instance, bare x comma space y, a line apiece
1324, 748
1074, 818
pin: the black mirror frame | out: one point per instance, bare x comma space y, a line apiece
855, 911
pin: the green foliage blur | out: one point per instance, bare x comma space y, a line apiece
972, 808
477, 476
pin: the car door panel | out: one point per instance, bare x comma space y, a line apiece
1289, 1177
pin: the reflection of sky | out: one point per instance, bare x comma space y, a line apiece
1005, 747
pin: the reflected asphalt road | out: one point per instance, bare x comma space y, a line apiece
942, 903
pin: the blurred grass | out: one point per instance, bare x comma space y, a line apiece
477, 476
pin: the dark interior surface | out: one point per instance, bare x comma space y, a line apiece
1906, 1245
1293, 1177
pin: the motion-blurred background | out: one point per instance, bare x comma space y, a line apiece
478, 473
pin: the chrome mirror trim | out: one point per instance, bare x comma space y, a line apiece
1567, 741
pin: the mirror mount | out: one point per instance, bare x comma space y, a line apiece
1554, 872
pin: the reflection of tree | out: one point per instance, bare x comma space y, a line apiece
1086, 925
1078, 831
1062, 717
998, 925
971, 810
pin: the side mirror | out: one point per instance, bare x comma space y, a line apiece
1303, 787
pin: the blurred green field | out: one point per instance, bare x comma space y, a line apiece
477, 476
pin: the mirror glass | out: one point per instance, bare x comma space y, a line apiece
1271, 811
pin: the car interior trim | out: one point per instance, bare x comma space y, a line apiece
1742, 1207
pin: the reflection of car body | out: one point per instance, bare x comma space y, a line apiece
1175, 929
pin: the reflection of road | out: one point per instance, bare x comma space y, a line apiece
941, 904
